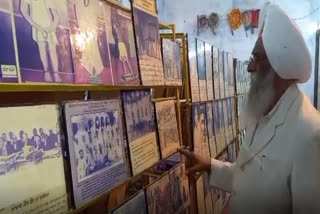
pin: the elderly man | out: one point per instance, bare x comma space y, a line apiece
278, 167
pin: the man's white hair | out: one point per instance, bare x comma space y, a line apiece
260, 97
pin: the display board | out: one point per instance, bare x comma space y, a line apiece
207, 194
226, 122
172, 62
216, 82
221, 75
230, 75
209, 71
119, 29
140, 123
43, 41
210, 128
202, 70
233, 115
8, 64
32, 178
96, 148
146, 27
224, 196
158, 194
193, 70
179, 188
137, 204
225, 73
200, 195
91, 54
222, 125
200, 134
167, 127
217, 125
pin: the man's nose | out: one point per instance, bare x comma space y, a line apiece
251, 66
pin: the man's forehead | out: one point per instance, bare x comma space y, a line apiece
258, 48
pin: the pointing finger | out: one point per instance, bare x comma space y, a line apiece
186, 153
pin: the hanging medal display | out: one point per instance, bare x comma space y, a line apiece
235, 19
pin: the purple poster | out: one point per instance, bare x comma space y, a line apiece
91, 55
43, 41
8, 69
96, 148
122, 46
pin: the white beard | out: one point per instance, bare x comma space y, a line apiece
260, 97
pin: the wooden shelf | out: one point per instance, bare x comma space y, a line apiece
26, 87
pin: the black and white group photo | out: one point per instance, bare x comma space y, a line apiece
97, 142
139, 113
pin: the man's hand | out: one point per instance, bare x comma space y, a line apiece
198, 164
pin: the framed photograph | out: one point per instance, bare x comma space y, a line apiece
222, 124
221, 75
200, 134
122, 46
193, 70
8, 64
136, 204
96, 147
159, 196
31, 161
202, 70
91, 54
209, 71
172, 62
210, 127
42, 28
216, 78
141, 129
179, 188
167, 127
146, 28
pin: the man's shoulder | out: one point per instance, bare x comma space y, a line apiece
306, 119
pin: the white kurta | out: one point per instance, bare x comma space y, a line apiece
278, 167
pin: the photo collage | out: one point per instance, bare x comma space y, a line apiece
85, 42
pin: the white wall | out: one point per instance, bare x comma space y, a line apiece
184, 13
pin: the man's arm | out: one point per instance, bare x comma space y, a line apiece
220, 173
305, 179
